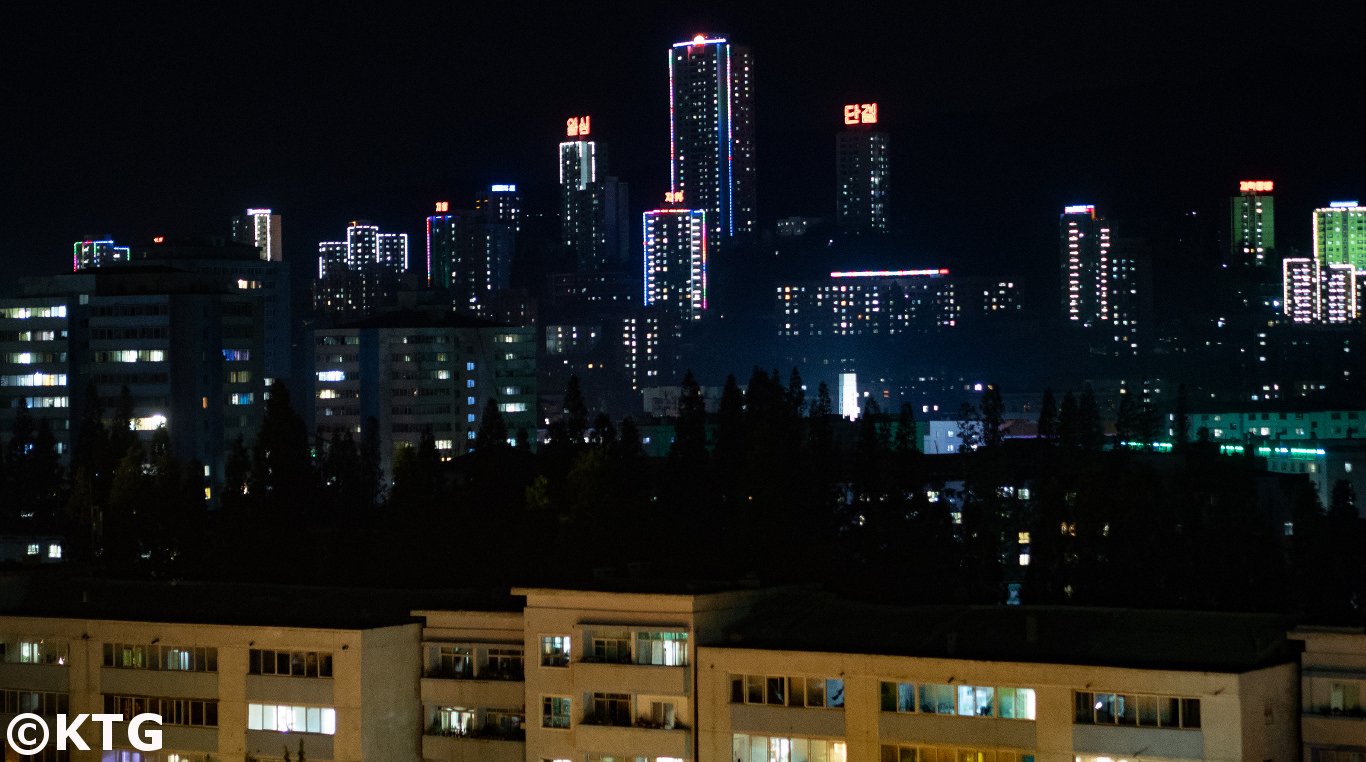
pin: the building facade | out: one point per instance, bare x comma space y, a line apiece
593, 208
360, 274
711, 132
862, 171
1252, 224
187, 347
469, 254
1313, 292
684, 676
88, 254
415, 372
260, 228
1340, 234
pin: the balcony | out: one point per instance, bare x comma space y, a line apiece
485, 733
632, 678
640, 741
456, 748
484, 673
1322, 726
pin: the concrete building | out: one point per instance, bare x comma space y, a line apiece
418, 371
711, 133
828, 680
1332, 693
862, 171
260, 228
236, 673
869, 302
1252, 223
614, 675
360, 274
187, 345
719, 673
90, 253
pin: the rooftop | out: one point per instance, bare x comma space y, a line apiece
63, 596
1179, 640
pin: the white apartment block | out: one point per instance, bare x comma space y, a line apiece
725, 674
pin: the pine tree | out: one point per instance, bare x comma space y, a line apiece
993, 416
1048, 416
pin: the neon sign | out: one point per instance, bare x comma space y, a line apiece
860, 113
1342, 204
158, 239
673, 197
443, 206
933, 272
1256, 186
503, 188
576, 126
1079, 209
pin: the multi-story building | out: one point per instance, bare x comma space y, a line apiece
711, 132
1252, 223
501, 203
1313, 292
675, 280
869, 303
1086, 257
614, 675
360, 274
862, 171
593, 206
710, 674
1340, 234
1102, 279
87, 254
241, 266
410, 372
187, 346
235, 673
837, 681
469, 254
1288, 426
260, 228
1332, 693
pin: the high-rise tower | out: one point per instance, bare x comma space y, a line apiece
711, 132
260, 228
862, 171
592, 205
1252, 223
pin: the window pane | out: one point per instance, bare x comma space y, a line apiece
330, 721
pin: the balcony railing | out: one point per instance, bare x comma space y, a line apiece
487, 732
1356, 712
484, 673
616, 721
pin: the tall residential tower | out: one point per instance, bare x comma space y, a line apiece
861, 171
593, 206
711, 132
1252, 223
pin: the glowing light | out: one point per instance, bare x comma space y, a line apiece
1079, 209
860, 113
930, 272
1256, 186
1342, 204
673, 197
503, 188
258, 211
159, 239
576, 126
443, 206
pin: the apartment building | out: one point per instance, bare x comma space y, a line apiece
1333, 693
417, 371
832, 681
723, 673
236, 673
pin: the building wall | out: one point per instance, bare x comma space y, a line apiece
373, 689
1333, 693
1229, 705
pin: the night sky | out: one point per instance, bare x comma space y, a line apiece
136, 120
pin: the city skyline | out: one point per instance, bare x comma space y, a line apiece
944, 137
